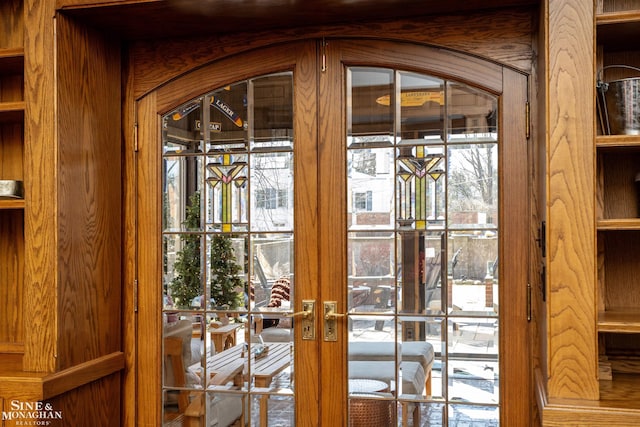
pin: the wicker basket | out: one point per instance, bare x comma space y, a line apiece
370, 411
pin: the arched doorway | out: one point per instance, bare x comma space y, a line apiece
383, 181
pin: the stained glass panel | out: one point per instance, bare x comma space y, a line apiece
227, 187
421, 181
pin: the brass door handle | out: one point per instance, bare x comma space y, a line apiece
304, 314
308, 315
331, 315
331, 320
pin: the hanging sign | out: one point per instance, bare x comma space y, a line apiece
213, 126
178, 114
414, 98
227, 111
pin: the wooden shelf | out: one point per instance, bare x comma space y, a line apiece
617, 141
619, 321
12, 61
618, 30
11, 203
622, 393
618, 224
629, 16
12, 111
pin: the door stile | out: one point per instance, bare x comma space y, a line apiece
306, 354
149, 324
332, 242
516, 403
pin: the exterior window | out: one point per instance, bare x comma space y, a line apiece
271, 198
363, 201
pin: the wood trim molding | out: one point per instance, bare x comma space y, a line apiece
503, 37
38, 386
563, 412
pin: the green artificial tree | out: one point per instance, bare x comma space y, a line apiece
187, 283
227, 287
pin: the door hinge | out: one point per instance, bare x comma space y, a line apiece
527, 120
528, 302
324, 55
135, 138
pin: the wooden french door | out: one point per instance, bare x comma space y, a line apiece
344, 157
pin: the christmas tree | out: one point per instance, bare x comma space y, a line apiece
227, 287
187, 284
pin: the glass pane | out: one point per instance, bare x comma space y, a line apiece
181, 193
420, 272
420, 343
227, 263
370, 106
420, 177
272, 112
223, 409
372, 272
426, 414
272, 261
421, 108
473, 186
371, 188
474, 415
472, 114
370, 404
473, 360
277, 410
228, 122
272, 192
472, 282
183, 275
182, 362
181, 129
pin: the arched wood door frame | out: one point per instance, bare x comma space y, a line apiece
325, 362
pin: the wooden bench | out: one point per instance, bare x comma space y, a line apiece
232, 367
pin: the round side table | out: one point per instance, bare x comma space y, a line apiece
371, 410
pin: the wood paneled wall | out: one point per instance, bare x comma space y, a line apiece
89, 189
11, 24
503, 36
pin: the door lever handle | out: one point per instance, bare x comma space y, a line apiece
331, 320
331, 315
305, 314
308, 315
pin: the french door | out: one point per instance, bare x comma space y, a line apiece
333, 233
